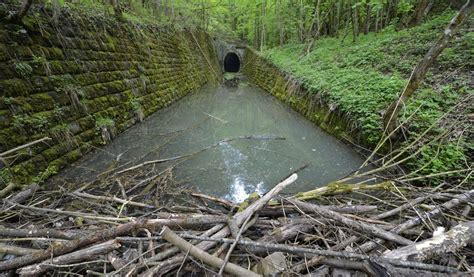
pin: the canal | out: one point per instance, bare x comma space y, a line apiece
232, 169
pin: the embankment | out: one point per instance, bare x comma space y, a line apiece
291, 91
81, 80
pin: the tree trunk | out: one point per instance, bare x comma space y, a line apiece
367, 18
301, 23
117, 9
262, 24
337, 19
391, 114
449, 242
355, 22
280, 23
18, 17
418, 13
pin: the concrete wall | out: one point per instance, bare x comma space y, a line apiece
223, 48
84, 80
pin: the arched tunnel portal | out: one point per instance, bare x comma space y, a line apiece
231, 62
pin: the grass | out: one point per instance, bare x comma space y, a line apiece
362, 78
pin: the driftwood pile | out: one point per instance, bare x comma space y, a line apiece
112, 229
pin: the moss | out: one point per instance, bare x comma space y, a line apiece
15, 87
4, 55
113, 73
250, 199
73, 155
41, 102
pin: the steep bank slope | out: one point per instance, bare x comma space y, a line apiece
82, 79
357, 81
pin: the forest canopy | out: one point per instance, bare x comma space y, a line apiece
268, 23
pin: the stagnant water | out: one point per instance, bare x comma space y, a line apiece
236, 168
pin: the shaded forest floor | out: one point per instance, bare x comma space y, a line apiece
362, 78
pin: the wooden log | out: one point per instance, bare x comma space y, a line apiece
189, 221
457, 200
220, 201
70, 246
299, 267
8, 189
113, 199
363, 227
238, 219
405, 206
448, 242
35, 233
115, 261
22, 196
15, 250
74, 257
200, 254
336, 188
303, 251
174, 250
290, 209
286, 232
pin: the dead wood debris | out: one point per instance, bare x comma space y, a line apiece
122, 226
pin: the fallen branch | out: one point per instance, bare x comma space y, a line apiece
238, 220
29, 144
338, 188
223, 202
34, 233
70, 246
448, 242
78, 256
194, 251
199, 151
15, 250
363, 227
302, 251
457, 200
114, 199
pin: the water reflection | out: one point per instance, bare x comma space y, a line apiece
236, 168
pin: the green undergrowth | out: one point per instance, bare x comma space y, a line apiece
362, 78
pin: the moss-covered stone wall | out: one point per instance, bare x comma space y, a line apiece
303, 100
82, 80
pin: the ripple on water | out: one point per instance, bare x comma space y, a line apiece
232, 170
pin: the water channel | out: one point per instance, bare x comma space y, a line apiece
236, 168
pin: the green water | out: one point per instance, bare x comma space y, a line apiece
237, 168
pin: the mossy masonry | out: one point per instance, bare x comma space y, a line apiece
82, 80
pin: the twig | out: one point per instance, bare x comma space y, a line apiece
24, 146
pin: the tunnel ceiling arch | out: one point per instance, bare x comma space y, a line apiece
231, 62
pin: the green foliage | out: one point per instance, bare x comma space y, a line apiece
134, 104
5, 176
362, 79
24, 70
41, 61
101, 122
68, 85
51, 170
35, 122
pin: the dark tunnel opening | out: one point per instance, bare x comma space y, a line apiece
231, 63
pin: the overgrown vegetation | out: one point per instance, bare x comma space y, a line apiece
362, 79
358, 54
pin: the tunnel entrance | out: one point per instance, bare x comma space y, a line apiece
231, 63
